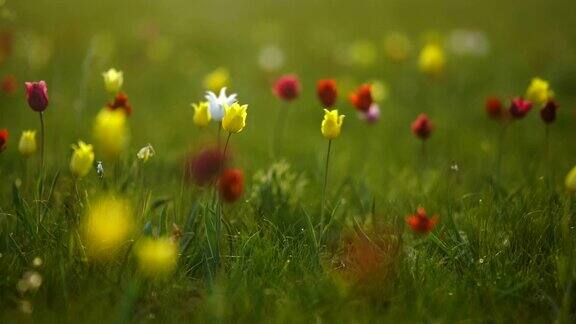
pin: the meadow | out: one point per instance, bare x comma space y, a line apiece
445, 194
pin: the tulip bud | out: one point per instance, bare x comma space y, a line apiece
234, 119
27, 145
3, 139
146, 153
110, 132
494, 108
539, 92
362, 99
202, 115
519, 108
327, 92
431, 60
332, 124
121, 102
287, 87
422, 127
420, 222
231, 185
37, 95
82, 159
548, 112
113, 80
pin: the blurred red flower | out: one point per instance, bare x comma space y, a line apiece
231, 184
422, 127
203, 168
287, 87
121, 102
548, 112
9, 84
3, 139
420, 222
519, 107
494, 108
361, 99
37, 95
327, 92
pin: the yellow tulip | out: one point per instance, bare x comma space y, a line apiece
217, 79
107, 226
201, 114
156, 257
234, 119
113, 80
82, 159
432, 60
332, 124
539, 92
27, 145
571, 180
110, 132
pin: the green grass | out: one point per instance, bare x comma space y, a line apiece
503, 250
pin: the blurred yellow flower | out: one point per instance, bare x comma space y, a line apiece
156, 257
82, 159
234, 119
432, 60
332, 124
397, 46
379, 90
201, 113
539, 92
107, 226
110, 132
217, 79
362, 53
571, 180
113, 80
27, 145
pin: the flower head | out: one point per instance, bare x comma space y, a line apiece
204, 167
432, 60
3, 139
157, 258
27, 145
539, 92
287, 87
494, 108
327, 92
231, 184
234, 119
110, 132
217, 103
422, 127
420, 222
113, 80
146, 153
361, 99
217, 79
332, 124
37, 95
82, 159
107, 226
372, 115
548, 112
201, 114
121, 103
519, 107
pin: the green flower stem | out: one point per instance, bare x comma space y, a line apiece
325, 183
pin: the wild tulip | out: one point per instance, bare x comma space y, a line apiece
519, 108
287, 87
432, 60
204, 167
121, 103
539, 92
327, 92
145, 153
548, 112
420, 222
331, 124
27, 145
234, 119
113, 80
156, 258
82, 159
3, 139
201, 114
37, 95
362, 99
231, 185
494, 108
216, 103
217, 79
422, 127
110, 132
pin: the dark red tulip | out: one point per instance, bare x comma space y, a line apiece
422, 127
231, 185
361, 99
37, 95
203, 168
494, 108
9, 84
327, 92
519, 108
3, 139
548, 112
420, 222
121, 102
287, 87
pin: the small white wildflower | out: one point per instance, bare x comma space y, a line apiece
146, 152
100, 169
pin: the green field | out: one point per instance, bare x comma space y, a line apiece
503, 249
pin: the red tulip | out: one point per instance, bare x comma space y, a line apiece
420, 222
9, 84
361, 99
287, 87
121, 102
3, 139
203, 168
231, 184
327, 92
548, 112
519, 108
494, 108
422, 127
37, 95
